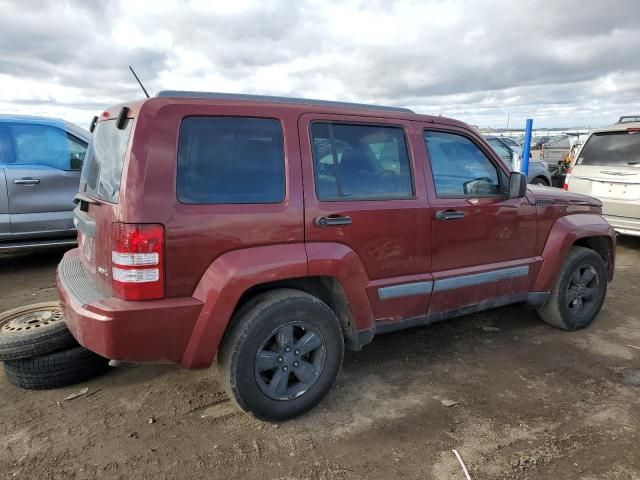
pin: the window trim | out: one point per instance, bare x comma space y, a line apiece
499, 166
285, 169
330, 123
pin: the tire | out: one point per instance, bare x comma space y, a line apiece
265, 327
540, 181
567, 307
55, 370
33, 330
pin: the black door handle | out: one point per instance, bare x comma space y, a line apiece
332, 221
449, 215
26, 181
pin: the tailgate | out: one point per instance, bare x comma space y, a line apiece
617, 187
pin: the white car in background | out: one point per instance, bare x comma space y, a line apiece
608, 167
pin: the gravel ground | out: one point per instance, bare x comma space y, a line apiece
532, 403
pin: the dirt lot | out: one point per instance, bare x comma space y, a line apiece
534, 402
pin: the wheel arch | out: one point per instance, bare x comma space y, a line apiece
326, 288
331, 272
586, 230
543, 178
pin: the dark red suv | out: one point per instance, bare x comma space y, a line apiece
273, 232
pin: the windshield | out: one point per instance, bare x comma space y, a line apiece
102, 170
611, 148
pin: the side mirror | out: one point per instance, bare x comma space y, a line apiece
517, 185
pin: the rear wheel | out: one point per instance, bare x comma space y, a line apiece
282, 354
579, 291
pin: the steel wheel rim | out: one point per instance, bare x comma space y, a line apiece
290, 360
583, 290
36, 319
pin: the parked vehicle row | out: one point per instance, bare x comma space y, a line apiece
40, 164
273, 233
538, 173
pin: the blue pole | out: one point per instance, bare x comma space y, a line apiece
527, 147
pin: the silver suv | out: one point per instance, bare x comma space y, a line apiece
40, 164
608, 167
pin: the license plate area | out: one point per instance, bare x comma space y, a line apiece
618, 191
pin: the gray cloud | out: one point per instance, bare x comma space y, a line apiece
563, 62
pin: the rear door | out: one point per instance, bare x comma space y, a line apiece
608, 168
42, 180
361, 191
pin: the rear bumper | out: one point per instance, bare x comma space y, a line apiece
624, 225
142, 331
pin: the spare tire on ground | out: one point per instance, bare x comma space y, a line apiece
33, 330
54, 370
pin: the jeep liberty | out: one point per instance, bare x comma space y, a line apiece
273, 233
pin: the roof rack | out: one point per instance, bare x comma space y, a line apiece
629, 119
268, 98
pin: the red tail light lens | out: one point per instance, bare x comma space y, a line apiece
137, 261
565, 186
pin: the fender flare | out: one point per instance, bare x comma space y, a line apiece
224, 282
563, 234
232, 274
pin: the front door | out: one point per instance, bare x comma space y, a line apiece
361, 192
482, 243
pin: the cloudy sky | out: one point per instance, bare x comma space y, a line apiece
563, 63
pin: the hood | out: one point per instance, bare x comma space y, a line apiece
554, 196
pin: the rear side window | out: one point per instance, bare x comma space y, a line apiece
102, 170
40, 146
611, 148
460, 169
356, 162
230, 160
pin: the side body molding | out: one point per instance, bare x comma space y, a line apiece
224, 282
564, 232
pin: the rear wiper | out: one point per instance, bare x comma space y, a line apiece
81, 197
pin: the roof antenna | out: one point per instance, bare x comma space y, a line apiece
139, 82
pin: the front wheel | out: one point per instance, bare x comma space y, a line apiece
282, 354
579, 291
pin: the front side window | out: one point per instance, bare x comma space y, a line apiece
37, 146
460, 169
77, 152
227, 160
360, 162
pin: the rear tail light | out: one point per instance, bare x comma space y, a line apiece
137, 261
565, 186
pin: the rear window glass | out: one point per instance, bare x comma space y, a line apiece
102, 169
230, 160
611, 148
